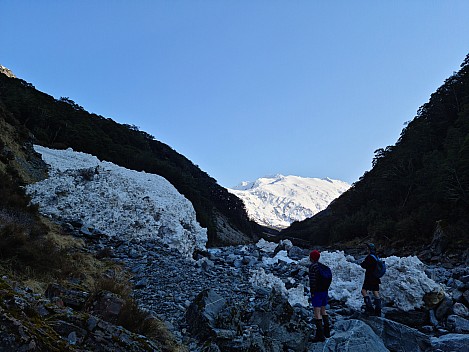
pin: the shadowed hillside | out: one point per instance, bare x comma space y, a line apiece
63, 123
415, 187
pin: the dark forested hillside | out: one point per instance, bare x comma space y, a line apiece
414, 187
62, 123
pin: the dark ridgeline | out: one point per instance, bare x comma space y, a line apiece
62, 123
416, 186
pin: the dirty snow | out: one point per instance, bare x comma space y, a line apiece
116, 201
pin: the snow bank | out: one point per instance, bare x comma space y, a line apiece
405, 282
116, 201
259, 278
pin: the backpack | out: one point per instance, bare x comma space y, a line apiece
324, 278
380, 268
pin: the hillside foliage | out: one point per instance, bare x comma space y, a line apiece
62, 123
420, 182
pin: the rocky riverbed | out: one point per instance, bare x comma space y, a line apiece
253, 297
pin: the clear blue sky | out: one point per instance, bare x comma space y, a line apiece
248, 88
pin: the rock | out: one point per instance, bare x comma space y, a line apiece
438, 274
461, 310
202, 313
458, 324
412, 318
398, 337
432, 318
72, 338
280, 322
283, 245
450, 342
432, 299
75, 299
350, 336
444, 308
439, 242
141, 283
107, 306
296, 253
466, 296
456, 295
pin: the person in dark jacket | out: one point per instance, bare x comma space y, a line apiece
371, 283
318, 299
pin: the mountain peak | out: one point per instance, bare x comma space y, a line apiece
277, 201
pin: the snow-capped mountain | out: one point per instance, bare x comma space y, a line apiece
116, 201
279, 200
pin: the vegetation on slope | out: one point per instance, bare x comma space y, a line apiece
62, 123
414, 186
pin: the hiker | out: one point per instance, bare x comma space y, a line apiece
371, 282
320, 278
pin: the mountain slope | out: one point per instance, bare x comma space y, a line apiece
415, 186
279, 200
62, 123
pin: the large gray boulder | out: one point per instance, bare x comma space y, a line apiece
350, 336
451, 343
280, 322
398, 337
458, 324
202, 313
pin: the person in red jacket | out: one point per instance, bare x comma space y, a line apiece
371, 282
319, 295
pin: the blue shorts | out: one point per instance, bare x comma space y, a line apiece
319, 299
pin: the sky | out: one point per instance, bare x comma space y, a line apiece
246, 88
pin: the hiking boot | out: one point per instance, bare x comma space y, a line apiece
369, 309
377, 310
327, 326
319, 331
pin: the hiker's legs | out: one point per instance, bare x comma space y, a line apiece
317, 313
326, 322
319, 301
377, 303
368, 306
319, 331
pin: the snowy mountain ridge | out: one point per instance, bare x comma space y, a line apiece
277, 201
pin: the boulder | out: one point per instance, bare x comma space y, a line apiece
461, 310
450, 342
280, 322
396, 336
296, 253
458, 324
202, 313
444, 309
283, 245
413, 318
107, 306
350, 336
